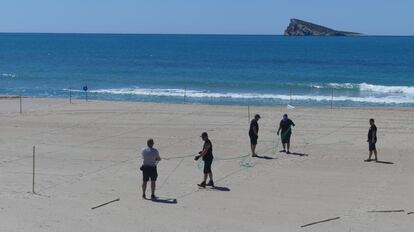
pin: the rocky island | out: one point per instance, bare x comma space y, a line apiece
302, 28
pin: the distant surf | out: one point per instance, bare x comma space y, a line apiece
377, 94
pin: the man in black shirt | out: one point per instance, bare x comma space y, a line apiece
254, 134
285, 127
372, 140
207, 155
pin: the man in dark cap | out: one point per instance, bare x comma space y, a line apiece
207, 155
285, 127
254, 134
372, 140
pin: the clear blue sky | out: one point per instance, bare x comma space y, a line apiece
374, 17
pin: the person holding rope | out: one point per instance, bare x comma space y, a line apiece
254, 134
150, 157
207, 155
285, 127
372, 140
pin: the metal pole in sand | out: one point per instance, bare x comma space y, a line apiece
185, 93
290, 99
21, 110
33, 180
248, 114
70, 95
332, 98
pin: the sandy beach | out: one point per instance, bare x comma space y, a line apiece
87, 153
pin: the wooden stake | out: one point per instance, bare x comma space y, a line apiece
327, 220
109, 202
387, 211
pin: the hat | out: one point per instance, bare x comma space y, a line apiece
257, 116
204, 134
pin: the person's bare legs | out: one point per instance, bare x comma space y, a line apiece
375, 154
211, 176
153, 188
370, 155
253, 147
288, 147
205, 177
144, 188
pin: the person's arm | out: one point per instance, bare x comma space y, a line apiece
293, 124
157, 157
205, 150
374, 136
256, 132
280, 127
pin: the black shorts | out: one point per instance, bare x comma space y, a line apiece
149, 172
253, 139
207, 166
371, 146
286, 138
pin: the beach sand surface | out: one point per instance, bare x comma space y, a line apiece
87, 153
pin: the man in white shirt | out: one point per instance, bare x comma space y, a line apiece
150, 157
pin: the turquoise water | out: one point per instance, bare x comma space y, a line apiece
211, 69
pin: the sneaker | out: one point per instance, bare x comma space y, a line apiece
254, 155
288, 152
210, 183
202, 184
153, 197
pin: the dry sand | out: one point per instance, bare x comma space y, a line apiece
87, 154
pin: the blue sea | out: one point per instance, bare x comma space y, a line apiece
211, 69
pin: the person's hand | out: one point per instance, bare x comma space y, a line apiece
197, 157
199, 152
277, 133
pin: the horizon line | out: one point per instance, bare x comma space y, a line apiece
206, 34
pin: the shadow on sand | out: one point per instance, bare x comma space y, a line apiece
217, 188
383, 162
164, 200
295, 153
298, 154
263, 157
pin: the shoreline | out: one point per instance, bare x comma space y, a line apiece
61, 99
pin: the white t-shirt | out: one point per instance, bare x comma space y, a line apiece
150, 156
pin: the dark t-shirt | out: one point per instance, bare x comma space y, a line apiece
209, 154
253, 124
285, 126
371, 131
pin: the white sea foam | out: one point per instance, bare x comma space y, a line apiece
386, 89
400, 99
9, 75
365, 87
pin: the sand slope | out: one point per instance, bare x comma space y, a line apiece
87, 154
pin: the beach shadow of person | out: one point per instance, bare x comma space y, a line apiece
264, 157
164, 200
297, 153
383, 162
218, 188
